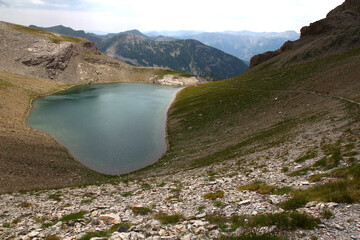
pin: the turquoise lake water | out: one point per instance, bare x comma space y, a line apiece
110, 128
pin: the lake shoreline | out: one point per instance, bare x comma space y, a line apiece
79, 157
52, 166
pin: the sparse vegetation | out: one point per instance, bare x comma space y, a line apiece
66, 218
263, 188
25, 204
146, 186
55, 197
284, 221
308, 155
168, 219
214, 195
127, 194
73, 216
54, 37
106, 233
345, 190
141, 210
252, 236
53, 237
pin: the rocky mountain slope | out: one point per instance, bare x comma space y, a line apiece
271, 154
187, 56
244, 45
336, 33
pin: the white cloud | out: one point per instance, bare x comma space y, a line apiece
120, 15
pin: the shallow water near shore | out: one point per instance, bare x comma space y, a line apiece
110, 128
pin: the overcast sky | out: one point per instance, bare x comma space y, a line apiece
148, 15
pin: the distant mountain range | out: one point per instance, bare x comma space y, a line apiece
241, 44
189, 56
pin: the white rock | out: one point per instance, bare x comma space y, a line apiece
33, 234
111, 218
244, 202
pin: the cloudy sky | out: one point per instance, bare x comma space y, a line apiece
148, 15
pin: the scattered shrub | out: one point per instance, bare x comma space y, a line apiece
214, 195
168, 219
141, 210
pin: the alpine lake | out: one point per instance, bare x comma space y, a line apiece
110, 128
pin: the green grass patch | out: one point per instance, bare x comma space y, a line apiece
214, 195
65, 219
25, 204
263, 188
53, 237
218, 220
73, 216
332, 157
4, 83
127, 194
141, 210
145, 186
106, 233
301, 172
168, 219
287, 221
327, 214
55, 197
307, 156
317, 177
252, 236
345, 190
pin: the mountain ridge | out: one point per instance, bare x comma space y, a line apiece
186, 56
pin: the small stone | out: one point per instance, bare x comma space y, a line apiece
197, 223
332, 205
186, 237
320, 206
212, 227
123, 229
240, 231
111, 218
305, 183
311, 204
201, 215
33, 234
341, 228
162, 232
244, 202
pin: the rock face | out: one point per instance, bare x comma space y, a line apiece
338, 32
56, 57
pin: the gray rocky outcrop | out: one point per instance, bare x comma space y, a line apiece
338, 32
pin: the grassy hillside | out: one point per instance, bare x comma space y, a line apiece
265, 109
